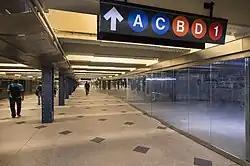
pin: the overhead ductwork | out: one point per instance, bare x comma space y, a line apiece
27, 37
14, 7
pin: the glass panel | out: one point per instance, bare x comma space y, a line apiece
227, 107
199, 100
206, 101
170, 97
138, 93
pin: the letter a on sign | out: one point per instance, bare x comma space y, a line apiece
138, 21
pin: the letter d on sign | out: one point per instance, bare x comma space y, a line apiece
180, 26
199, 28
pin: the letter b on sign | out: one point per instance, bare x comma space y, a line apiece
199, 28
180, 26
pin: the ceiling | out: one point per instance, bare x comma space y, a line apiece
25, 38
114, 57
236, 12
88, 57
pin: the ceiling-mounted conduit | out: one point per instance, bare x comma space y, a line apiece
37, 4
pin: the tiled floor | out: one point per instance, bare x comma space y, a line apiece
95, 130
219, 123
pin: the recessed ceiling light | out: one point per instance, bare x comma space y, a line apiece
90, 71
20, 70
102, 67
111, 59
12, 65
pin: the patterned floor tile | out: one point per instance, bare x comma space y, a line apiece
141, 149
97, 140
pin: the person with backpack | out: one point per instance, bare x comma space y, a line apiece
39, 92
55, 89
16, 95
87, 87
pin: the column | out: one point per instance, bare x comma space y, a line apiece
114, 84
247, 109
174, 87
66, 88
100, 84
109, 84
70, 87
118, 84
61, 90
125, 83
48, 94
104, 85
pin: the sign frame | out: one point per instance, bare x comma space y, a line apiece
179, 42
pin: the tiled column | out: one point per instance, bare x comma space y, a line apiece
70, 87
118, 84
125, 83
109, 84
61, 90
66, 88
48, 94
247, 110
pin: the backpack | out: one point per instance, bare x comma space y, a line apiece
38, 90
15, 91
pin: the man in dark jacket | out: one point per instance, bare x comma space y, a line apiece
16, 95
39, 92
87, 87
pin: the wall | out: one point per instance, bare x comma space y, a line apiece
205, 101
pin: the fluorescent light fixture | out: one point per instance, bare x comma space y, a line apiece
2, 73
39, 77
18, 75
161, 79
90, 71
102, 67
111, 59
141, 44
30, 76
12, 65
20, 70
98, 74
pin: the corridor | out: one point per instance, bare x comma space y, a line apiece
95, 130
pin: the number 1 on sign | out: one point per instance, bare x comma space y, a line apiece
216, 30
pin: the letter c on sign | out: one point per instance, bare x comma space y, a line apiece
180, 26
160, 24
199, 28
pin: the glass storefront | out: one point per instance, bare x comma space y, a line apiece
206, 101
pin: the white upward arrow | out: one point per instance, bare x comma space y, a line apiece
113, 14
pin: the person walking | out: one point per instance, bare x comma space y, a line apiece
55, 89
16, 95
39, 93
87, 87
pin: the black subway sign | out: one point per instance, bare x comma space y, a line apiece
125, 20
